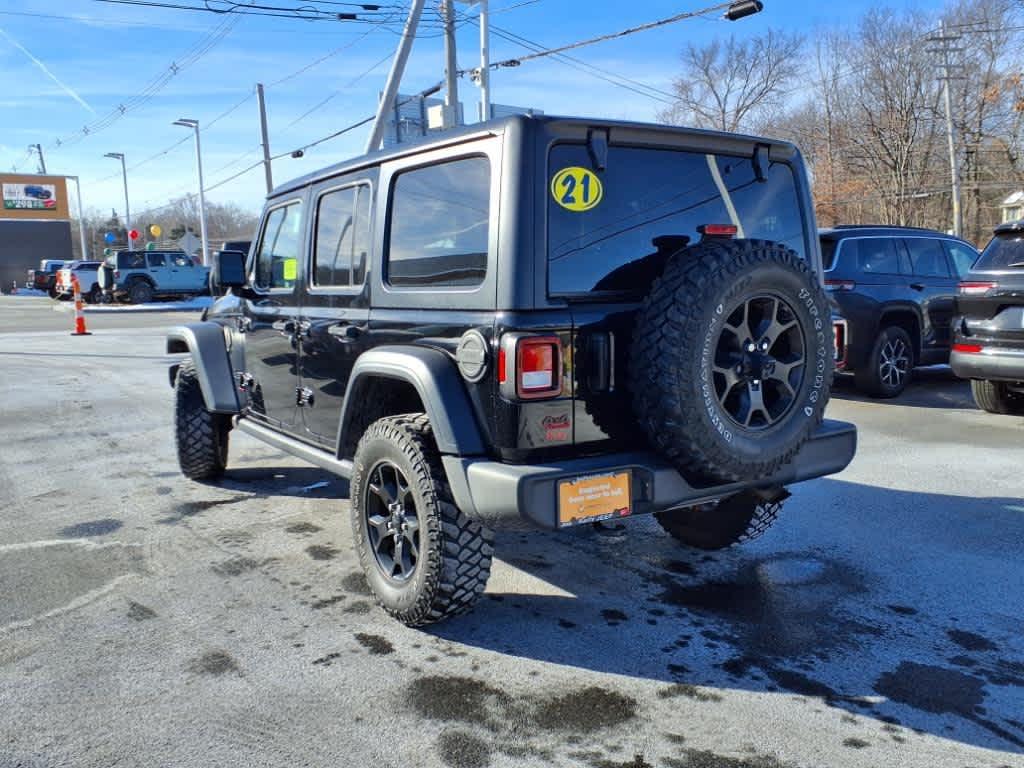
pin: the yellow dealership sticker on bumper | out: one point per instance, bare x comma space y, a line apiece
577, 189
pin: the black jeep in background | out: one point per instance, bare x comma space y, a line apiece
895, 288
988, 330
533, 322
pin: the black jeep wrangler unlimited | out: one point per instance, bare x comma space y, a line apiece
534, 322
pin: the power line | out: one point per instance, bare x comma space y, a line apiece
604, 38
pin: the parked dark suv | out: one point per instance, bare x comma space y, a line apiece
988, 331
894, 287
534, 322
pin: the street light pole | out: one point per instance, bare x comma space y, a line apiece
81, 218
194, 125
483, 76
127, 213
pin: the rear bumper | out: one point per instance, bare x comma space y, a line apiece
526, 496
991, 364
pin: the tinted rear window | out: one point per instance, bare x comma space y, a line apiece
648, 194
1002, 252
828, 253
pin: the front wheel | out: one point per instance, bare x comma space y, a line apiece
424, 560
720, 524
201, 436
887, 370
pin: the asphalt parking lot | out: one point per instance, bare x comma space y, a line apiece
147, 620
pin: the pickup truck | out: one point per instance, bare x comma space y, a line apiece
87, 273
45, 278
141, 276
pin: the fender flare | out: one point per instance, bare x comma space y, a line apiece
436, 379
205, 343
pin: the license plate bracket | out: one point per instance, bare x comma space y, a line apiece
592, 498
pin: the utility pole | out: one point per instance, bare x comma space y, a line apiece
946, 49
127, 213
265, 141
42, 160
395, 75
451, 70
482, 77
194, 125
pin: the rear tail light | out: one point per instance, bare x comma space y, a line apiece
839, 332
530, 367
969, 349
976, 288
840, 285
718, 230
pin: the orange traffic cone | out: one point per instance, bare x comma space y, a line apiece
79, 314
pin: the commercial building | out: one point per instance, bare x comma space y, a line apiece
35, 224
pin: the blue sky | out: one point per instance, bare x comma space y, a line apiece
103, 54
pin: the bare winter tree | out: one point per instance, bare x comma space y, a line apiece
733, 85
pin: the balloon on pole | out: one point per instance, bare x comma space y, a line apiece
150, 246
109, 237
155, 230
134, 234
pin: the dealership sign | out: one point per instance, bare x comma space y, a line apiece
30, 197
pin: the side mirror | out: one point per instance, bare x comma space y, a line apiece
228, 269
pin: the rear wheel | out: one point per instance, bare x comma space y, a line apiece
201, 436
94, 295
996, 397
423, 558
888, 368
140, 292
721, 524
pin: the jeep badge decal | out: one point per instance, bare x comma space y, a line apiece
577, 189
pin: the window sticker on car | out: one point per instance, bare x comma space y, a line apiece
291, 269
577, 189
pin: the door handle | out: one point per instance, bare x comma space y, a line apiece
917, 286
345, 331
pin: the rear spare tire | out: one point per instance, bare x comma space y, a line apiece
731, 361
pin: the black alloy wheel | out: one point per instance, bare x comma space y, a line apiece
392, 522
760, 361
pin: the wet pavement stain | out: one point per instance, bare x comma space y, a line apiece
940, 691
375, 644
457, 699
460, 749
187, 509
164, 490
301, 528
327, 602
688, 691
638, 761
786, 606
322, 552
692, 758
90, 528
236, 566
355, 583
140, 612
359, 607
613, 617
855, 743
325, 661
585, 710
214, 663
971, 641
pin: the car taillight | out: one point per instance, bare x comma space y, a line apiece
718, 230
840, 285
969, 349
976, 288
530, 367
839, 339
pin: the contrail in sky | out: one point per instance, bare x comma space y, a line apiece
67, 89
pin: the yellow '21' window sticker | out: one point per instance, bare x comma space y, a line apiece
577, 189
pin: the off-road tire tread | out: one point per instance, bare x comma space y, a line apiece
764, 515
201, 436
460, 549
669, 326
